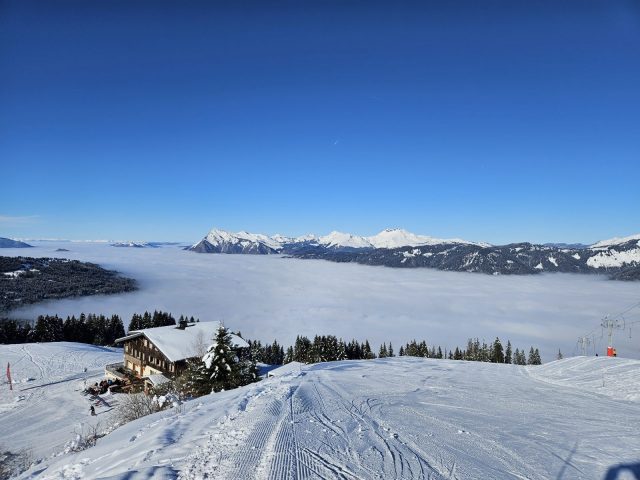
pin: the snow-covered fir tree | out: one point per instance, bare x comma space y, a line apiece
196, 379
222, 363
497, 354
534, 357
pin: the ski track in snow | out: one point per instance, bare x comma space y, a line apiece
403, 418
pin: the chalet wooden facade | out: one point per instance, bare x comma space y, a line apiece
143, 358
165, 351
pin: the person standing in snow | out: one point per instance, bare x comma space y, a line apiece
93, 411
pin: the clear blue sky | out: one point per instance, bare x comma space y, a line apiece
152, 120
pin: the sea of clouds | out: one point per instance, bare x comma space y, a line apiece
271, 297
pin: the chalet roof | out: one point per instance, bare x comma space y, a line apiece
177, 344
157, 379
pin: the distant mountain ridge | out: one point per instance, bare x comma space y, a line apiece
8, 243
618, 257
221, 241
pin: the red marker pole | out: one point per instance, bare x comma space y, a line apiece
9, 376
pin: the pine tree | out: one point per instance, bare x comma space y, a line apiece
367, 354
302, 350
507, 353
247, 372
559, 356
383, 351
136, 323
196, 379
401, 351
458, 354
390, 352
485, 355
49, 329
221, 362
534, 357
531, 357
497, 355
288, 357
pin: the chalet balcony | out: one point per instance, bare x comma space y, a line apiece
116, 370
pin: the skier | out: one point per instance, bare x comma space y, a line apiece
93, 411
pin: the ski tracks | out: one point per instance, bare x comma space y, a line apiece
245, 443
280, 435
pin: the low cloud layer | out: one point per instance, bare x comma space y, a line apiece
267, 297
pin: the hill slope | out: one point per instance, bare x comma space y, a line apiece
46, 405
9, 243
391, 418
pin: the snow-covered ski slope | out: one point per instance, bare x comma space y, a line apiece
46, 405
391, 418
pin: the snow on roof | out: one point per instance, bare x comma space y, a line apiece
177, 344
157, 379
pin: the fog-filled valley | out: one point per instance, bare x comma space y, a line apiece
270, 297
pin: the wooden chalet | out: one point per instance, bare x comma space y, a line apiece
164, 351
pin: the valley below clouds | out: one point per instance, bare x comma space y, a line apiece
269, 296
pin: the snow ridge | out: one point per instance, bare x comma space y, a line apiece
616, 241
245, 242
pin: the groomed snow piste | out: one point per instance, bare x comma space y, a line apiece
46, 406
390, 418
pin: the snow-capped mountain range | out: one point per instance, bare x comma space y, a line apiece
619, 257
221, 241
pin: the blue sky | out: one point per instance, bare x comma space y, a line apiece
503, 122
